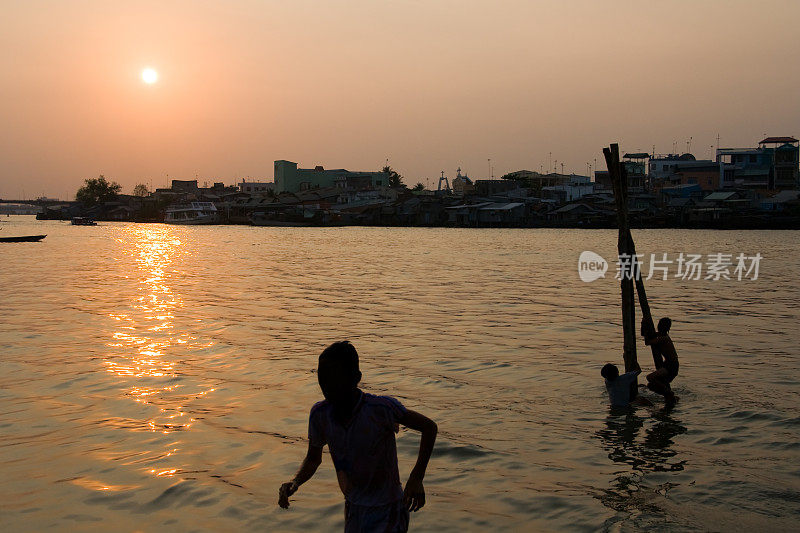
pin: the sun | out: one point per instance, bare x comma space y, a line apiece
149, 76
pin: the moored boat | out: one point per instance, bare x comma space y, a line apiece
83, 221
193, 213
23, 238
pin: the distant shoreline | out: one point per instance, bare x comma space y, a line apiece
787, 223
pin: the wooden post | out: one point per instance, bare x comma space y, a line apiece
643, 304
647, 317
625, 248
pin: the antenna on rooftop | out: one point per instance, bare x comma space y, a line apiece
446, 183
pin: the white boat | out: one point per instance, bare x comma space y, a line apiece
193, 213
83, 221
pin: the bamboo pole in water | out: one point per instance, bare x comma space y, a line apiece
625, 249
647, 316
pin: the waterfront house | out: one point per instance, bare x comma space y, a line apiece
318, 198
679, 209
257, 187
772, 165
643, 207
686, 190
571, 189
575, 213
428, 212
665, 170
785, 160
502, 214
782, 201
721, 206
464, 214
119, 213
635, 168
706, 174
492, 186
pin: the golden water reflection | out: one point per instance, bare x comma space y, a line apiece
146, 346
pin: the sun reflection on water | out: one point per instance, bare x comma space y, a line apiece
143, 349
146, 349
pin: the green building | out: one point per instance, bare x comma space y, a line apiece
289, 178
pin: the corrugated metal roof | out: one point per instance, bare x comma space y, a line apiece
501, 207
719, 196
469, 206
570, 207
784, 196
779, 140
680, 202
681, 186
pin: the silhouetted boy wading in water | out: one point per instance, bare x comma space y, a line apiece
619, 387
359, 429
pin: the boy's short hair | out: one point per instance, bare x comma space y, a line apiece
341, 353
664, 324
610, 372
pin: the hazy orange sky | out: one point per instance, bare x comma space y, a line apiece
430, 85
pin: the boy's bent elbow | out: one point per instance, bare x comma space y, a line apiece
432, 428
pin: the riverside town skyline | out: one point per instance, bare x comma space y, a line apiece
154, 92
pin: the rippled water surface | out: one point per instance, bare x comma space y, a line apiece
156, 377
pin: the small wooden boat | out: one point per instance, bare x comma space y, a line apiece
23, 238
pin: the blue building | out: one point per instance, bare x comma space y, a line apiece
773, 165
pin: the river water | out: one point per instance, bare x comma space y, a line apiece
159, 377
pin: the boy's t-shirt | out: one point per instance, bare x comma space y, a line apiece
363, 450
619, 390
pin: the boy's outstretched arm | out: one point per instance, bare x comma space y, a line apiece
414, 493
310, 464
